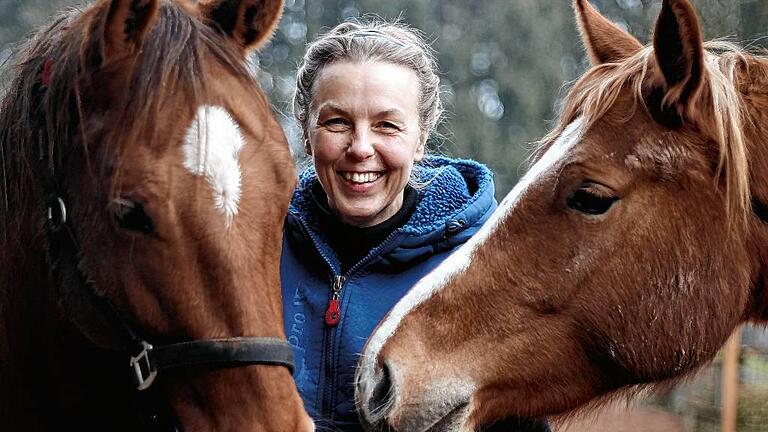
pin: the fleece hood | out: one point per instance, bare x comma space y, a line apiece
455, 197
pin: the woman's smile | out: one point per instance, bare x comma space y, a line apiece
361, 183
361, 177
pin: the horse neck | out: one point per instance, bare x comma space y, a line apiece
23, 288
22, 314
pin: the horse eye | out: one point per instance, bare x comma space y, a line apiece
130, 215
590, 200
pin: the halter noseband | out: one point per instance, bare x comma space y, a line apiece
97, 318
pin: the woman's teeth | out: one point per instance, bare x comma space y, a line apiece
366, 177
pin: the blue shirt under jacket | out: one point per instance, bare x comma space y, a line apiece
457, 199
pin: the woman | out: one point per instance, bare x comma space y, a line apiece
372, 215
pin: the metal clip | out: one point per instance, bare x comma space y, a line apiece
144, 373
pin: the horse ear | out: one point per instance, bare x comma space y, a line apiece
249, 22
127, 23
679, 53
605, 42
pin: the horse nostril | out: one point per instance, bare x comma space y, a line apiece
382, 395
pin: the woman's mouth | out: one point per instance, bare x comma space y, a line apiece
361, 177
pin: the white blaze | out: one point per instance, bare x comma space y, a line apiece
212, 149
460, 260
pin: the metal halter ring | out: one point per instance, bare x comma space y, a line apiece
57, 216
143, 370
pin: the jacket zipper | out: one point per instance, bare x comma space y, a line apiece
329, 352
328, 355
329, 335
333, 313
332, 317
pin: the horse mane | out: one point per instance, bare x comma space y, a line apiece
30, 114
719, 110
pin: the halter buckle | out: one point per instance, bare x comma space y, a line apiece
144, 373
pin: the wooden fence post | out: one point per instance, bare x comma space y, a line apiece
730, 380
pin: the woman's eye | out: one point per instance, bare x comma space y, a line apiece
591, 200
336, 123
131, 216
388, 126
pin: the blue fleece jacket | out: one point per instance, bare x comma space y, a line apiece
457, 199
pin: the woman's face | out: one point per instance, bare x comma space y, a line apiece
364, 134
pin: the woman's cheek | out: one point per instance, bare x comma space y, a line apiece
396, 152
327, 148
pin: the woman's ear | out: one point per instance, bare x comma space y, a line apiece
420, 149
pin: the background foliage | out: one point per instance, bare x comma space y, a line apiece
504, 62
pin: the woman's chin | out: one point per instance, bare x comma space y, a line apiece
360, 220
362, 216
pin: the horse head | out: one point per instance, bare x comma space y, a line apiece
139, 128
626, 255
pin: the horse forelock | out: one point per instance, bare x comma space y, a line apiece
719, 111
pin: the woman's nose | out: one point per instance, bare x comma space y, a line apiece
361, 147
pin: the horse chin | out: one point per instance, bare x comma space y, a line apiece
454, 421
430, 420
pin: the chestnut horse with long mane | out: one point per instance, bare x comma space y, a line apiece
143, 191
628, 253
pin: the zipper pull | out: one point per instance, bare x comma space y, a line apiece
333, 313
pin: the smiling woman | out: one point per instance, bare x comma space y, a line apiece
365, 138
358, 234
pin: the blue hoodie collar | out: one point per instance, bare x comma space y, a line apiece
455, 197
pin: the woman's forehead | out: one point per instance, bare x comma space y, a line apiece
369, 86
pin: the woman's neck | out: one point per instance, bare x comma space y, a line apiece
352, 243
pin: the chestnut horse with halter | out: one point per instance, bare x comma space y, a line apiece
144, 186
627, 254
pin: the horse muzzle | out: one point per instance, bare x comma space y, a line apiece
436, 404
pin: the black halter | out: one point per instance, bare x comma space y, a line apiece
98, 319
